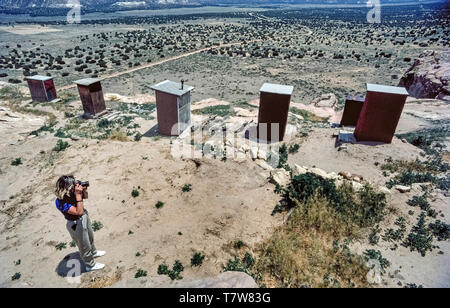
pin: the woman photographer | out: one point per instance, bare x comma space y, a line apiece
70, 195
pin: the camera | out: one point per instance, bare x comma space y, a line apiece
84, 184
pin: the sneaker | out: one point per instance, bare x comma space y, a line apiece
97, 266
100, 253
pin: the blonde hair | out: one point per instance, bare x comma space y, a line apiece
64, 186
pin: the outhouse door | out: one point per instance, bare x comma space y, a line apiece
184, 112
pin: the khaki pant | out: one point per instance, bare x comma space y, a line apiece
83, 236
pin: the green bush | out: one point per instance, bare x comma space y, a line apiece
60, 246
16, 162
197, 259
138, 137
420, 238
159, 204
97, 225
173, 274
376, 254
140, 273
61, 145
440, 230
187, 188
135, 193
365, 207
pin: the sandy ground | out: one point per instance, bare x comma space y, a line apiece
229, 201
28, 30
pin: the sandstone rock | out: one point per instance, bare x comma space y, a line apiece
224, 280
357, 178
253, 153
345, 175
280, 176
326, 100
429, 76
374, 274
384, 190
262, 154
263, 164
357, 186
298, 170
319, 172
333, 176
402, 189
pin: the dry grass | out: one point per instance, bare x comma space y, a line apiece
118, 135
306, 251
104, 281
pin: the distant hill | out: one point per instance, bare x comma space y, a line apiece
108, 4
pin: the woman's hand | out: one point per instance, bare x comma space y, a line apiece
79, 191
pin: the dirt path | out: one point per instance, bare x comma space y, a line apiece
132, 70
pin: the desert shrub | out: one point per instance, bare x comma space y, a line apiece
104, 123
97, 225
16, 276
420, 201
240, 265
410, 176
44, 128
60, 246
140, 273
138, 137
294, 148
373, 236
60, 133
135, 193
118, 135
283, 157
376, 255
219, 110
307, 115
173, 274
363, 208
159, 204
420, 238
392, 235
186, 188
61, 145
440, 230
238, 244
16, 162
197, 259
297, 257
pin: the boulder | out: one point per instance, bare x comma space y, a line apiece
357, 186
326, 100
262, 154
298, 170
280, 176
263, 164
254, 153
375, 272
429, 76
402, 188
319, 172
384, 190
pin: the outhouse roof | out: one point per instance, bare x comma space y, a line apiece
386, 89
87, 81
171, 87
39, 77
277, 89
